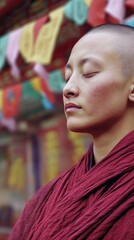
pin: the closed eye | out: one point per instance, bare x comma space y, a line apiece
89, 75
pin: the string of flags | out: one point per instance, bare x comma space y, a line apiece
36, 40
43, 89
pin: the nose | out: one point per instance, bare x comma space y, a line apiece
70, 90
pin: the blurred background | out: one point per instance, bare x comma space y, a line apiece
36, 37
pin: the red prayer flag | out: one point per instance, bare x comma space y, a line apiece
45, 88
38, 26
11, 100
130, 4
97, 14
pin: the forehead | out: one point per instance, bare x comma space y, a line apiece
98, 44
104, 40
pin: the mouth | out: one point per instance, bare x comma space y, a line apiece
71, 107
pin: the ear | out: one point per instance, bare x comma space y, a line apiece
131, 94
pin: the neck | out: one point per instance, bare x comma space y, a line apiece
104, 143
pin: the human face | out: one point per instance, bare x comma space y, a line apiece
95, 95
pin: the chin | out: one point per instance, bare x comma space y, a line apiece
77, 128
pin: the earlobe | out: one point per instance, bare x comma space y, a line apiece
131, 95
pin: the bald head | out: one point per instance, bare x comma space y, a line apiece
122, 43
114, 28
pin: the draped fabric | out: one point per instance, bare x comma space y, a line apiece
83, 203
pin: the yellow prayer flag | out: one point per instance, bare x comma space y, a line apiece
16, 178
35, 82
46, 39
1, 99
52, 164
88, 2
26, 41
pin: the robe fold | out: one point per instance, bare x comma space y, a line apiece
83, 203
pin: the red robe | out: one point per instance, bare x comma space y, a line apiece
81, 204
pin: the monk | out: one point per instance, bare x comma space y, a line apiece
94, 199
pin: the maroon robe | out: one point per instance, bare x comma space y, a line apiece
95, 204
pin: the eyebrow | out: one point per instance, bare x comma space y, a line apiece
84, 60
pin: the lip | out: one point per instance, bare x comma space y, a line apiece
69, 107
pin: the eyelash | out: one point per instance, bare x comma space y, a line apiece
89, 75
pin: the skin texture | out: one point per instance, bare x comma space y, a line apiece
104, 95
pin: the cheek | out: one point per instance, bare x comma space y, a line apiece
99, 95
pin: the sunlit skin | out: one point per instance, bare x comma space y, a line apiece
103, 96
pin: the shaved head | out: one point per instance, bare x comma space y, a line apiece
122, 43
115, 28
